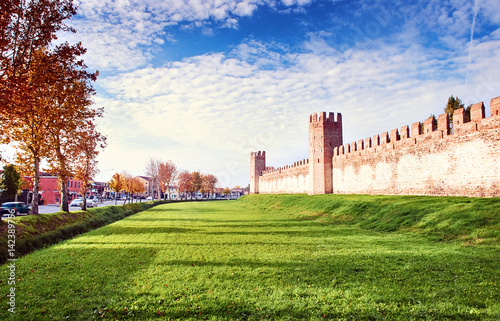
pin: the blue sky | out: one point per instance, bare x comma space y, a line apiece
204, 83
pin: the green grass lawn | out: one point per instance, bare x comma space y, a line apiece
238, 260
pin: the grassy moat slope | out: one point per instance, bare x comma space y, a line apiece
471, 220
257, 258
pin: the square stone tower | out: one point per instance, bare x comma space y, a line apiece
257, 166
324, 135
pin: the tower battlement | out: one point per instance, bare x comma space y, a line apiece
259, 154
325, 118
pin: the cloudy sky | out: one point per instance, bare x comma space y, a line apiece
204, 83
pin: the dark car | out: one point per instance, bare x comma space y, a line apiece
15, 208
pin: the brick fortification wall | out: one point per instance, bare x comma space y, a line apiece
287, 179
462, 161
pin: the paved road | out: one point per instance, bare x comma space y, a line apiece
47, 209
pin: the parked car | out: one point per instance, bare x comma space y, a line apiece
91, 202
15, 208
76, 202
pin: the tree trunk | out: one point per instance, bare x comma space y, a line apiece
64, 194
63, 180
36, 184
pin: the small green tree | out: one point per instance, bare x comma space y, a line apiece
453, 104
10, 183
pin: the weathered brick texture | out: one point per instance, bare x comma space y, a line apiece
287, 179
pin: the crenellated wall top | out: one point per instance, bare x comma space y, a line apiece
402, 137
302, 164
325, 118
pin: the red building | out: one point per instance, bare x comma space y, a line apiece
49, 190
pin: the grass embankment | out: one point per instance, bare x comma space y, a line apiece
471, 220
248, 260
36, 231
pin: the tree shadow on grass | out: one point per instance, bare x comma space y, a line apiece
206, 210
240, 309
131, 230
95, 282
64, 283
221, 222
299, 302
166, 209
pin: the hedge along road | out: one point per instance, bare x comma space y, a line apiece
237, 261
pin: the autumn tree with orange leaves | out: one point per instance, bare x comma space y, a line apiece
137, 188
26, 26
127, 184
69, 91
185, 183
208, 183
45, 92
196, 182
117, 184
167, 174
83, 152
132, 186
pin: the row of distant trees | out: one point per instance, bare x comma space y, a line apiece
46, 106
196, 182
187, 183
126, 183
164, 175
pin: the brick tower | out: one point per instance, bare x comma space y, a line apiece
324, 135
257, 166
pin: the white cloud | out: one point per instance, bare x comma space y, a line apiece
245, 8
490, 9
122, 34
